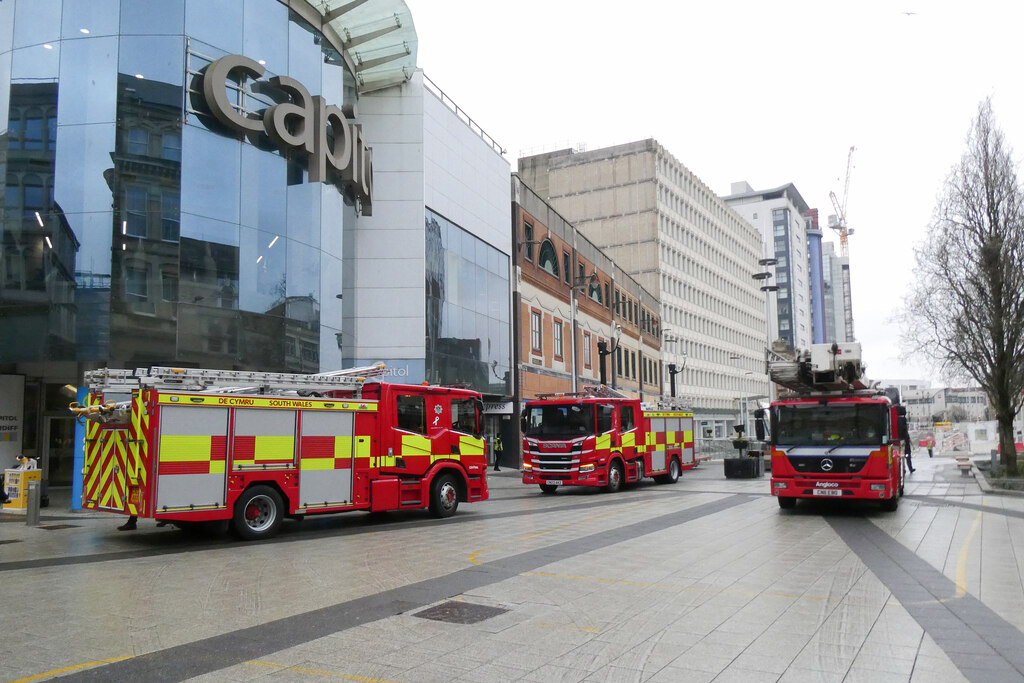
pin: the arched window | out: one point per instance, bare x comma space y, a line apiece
547, 259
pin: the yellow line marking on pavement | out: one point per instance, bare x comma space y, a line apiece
565, 627
473, 555
66, 669
318, 672
961, 561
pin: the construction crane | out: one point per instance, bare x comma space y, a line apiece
838, 221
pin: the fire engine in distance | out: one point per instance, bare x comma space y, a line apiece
601, 438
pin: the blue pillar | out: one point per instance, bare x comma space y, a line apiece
79, 461
818, 331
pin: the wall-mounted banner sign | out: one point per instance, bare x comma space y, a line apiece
12, 418
301, 124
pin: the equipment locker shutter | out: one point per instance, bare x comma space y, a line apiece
264, 439
684, 434
658, 455
190, 464
325, 457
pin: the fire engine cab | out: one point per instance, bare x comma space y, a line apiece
192, 445
599, 437
832, 435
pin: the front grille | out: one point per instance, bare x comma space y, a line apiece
841, 464
554, 463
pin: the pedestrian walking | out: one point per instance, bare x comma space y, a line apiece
497, 452
904, 434
931, 445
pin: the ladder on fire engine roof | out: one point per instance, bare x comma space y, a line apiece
588, 392
799, 376
227, 381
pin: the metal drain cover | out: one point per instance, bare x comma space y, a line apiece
54, 527
456, 612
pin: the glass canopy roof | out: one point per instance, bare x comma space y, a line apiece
378, 36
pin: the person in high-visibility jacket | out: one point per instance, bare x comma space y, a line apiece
497, 452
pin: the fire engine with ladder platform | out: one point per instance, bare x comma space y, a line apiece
601, 437
190, 446
833, 435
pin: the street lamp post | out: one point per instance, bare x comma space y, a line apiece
578, 283
763, 277
603, 351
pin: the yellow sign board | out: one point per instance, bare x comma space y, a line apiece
16, 486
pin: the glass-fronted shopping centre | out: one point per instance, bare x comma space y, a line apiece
178, 177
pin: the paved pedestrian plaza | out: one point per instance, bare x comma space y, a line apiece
703, 580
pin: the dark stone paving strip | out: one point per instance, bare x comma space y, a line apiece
314, 527
220, 652
936, 500
983, 645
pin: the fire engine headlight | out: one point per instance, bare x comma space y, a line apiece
779, 485
878, 487
527, 465
589, 467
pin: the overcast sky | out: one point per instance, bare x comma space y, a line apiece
767, 92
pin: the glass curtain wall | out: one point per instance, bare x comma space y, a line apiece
134, 230
468, 317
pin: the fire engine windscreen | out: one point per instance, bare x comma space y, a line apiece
568, 421
829, 425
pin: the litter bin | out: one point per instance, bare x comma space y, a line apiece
16, 486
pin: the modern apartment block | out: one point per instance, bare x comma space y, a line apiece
791, 236
657, 221
837, 295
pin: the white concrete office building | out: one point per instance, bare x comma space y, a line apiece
681, 242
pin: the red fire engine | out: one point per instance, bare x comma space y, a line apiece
601, 438
832, 435
193, 445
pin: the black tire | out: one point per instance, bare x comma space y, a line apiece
891, 504
672, 476
787, 502
614, 477
258, 513
444, 496
548, 488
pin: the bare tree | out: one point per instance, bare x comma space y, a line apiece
966, 311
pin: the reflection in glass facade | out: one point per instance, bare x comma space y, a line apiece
136, 231
468, 310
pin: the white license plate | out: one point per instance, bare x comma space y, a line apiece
552, 482
828, 492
